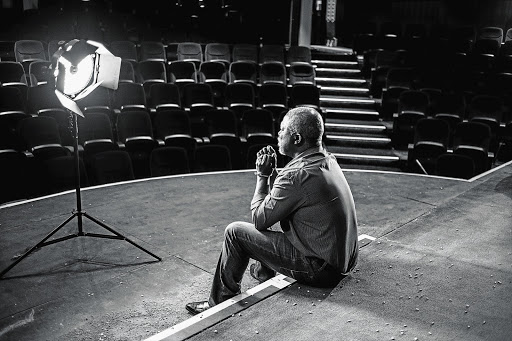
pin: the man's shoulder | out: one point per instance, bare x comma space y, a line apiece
289, 172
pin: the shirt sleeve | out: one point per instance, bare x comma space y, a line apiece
284, 198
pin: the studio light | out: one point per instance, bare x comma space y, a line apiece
80, 66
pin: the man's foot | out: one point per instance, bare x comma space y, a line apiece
197, 307
259, 274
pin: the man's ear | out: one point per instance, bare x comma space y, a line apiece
297, 139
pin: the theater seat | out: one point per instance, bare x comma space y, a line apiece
169, 161
431, 138
211, 158
455, 166
112, 166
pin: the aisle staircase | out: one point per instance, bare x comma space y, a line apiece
355, 133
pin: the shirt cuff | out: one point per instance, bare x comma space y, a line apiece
257, 199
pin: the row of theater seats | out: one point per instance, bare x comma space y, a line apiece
460, 59
153, 62
467, 73
193, 98
28, 51
40, 129
429, 123
144, 147
470, 143
452, 108
151, 117
456, 81
370, 36
197, 98
27, 177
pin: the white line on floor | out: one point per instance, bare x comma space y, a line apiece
279, 282
19, 323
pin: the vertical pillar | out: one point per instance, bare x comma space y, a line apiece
306, 19
293, 33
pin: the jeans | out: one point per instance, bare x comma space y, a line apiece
273, 253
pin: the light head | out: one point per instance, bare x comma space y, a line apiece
81, 66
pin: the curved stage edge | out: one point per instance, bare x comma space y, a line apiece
440, 264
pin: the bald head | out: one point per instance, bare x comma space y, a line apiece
308, 123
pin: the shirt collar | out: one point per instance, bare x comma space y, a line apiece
308, 152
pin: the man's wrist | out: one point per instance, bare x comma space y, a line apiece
263, 175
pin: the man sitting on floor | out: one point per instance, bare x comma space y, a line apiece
312, 201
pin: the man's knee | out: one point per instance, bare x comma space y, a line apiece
234, 229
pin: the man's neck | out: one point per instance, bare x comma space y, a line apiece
309, 149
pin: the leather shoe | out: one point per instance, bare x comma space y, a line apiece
259, 277
197, 307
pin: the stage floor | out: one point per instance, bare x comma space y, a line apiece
440, 267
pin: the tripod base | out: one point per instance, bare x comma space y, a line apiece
79, 215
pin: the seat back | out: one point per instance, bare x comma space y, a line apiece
164, 96
301, 73
40, 72
11, 99
298, 54
152, 70
271, 53
432, 130
240, 94
400, 77
129, 96
127, 71
455, 166
112, 166
245, 52
211, 158
134, 123
243, 71
95, 126
12, 72
190, 51
272, 94
40, 130
182, 71
197, 94
99, 97
169, 161
485, 106
272, 72
492, 33
305, 95
413, 101
221, 122
152, 50
41, 97
212, 70
27, 51
472, 134
258, 123
125, 49
218, 52
171, 122
60, 175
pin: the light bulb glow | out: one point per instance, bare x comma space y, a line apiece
78, 77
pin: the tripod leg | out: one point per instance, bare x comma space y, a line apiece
38, 245
105, 226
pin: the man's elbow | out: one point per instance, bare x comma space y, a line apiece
258, 223
260, 226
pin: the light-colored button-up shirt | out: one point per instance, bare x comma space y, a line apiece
314, 205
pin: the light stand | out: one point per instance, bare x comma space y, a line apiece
78, 213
